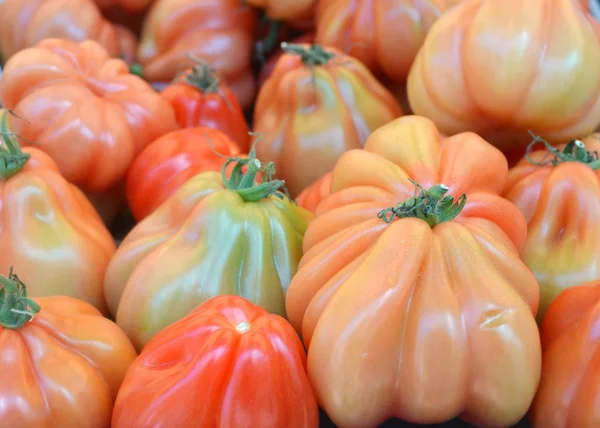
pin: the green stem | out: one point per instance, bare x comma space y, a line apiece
202, 76
136, 69
315, 55
244, 183
15, 307
12, 159
431, 206
574, 151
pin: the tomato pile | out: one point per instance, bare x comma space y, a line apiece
293, 213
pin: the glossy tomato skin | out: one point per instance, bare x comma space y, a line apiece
214, 243
89, 113
404, 320
570, 388
251, 367
306, 129
311, 197
173, 28
166, 164
562, 207
24, 23
51, 234
215, 107
63, 368
372, 30
489, 67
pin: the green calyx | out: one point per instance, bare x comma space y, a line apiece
15, 307
432, 206
12, 159
202, 76
137, 70
574, 151
268, 43
314, 55
244, 183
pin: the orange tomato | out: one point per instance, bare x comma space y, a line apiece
49, 231
267, 69
169, 162
200, 98
24, 23
558, 191
216, 235
570, 388
501, 68
217, 31
286, 10
84, 109
317, 104
312, 196
62, 361
413, 302
373, 30
251, 366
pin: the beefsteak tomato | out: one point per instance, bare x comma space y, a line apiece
218, 31
312, 196
411, 303
214, 236
24, 23
128, 5
49, 231
84, 109
286, 10
570, 386
317, 104
373, 30
200, 99
169, 162
558, 191
501, 68
250, 366
62, 361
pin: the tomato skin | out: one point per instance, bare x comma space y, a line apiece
306, 131
166, 164
372, 30
128, 5
313, 195
562, 207
286, 10
267, 70
24, 23
214, 242
489, 67
386, 310
171, 32
216, 108
63, 368
570, 386
92, 151
207, 348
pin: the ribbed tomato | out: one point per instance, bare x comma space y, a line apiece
312, 196
228, 364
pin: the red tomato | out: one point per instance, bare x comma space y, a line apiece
312, 196
200, 98
227, 364
167, 163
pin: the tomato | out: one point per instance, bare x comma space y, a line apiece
218, 31
216, 235
250, 365
403, 286
317, 104
49, 231
286, 10
372, 30
200, 98
570, 389
24, 23
166, 164
128, 5
267, 69
62, 361
84, 109
312, 196
558, 191
502, 68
